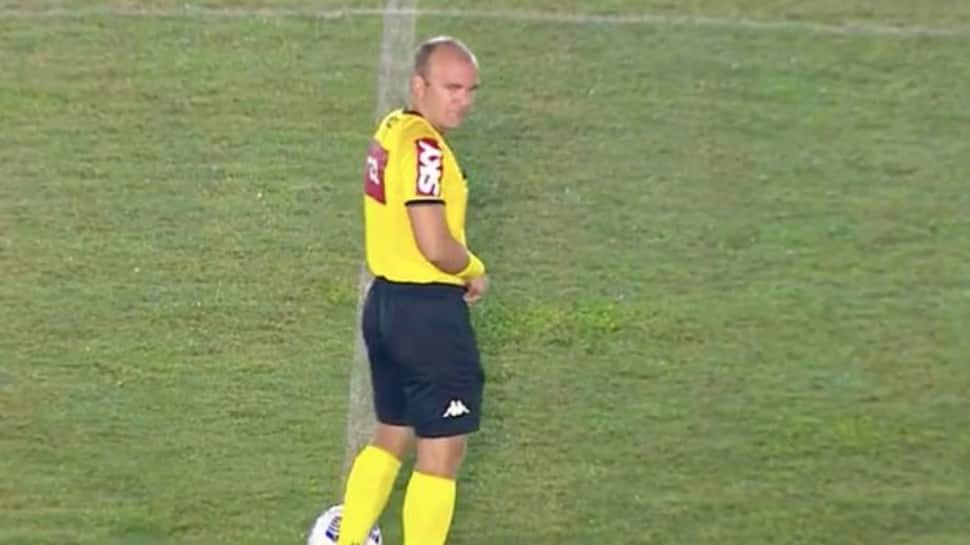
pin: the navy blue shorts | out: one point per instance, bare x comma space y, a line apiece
425, 366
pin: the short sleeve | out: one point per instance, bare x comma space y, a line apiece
421, 165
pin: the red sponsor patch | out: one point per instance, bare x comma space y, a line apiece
374, 172
430, 168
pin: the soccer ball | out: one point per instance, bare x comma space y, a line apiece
327, 527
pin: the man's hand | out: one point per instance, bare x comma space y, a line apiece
475, 289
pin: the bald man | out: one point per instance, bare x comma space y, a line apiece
424, 361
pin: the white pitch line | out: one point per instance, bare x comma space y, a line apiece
630, 19
393, 68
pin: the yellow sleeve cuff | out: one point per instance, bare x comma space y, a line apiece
474, 269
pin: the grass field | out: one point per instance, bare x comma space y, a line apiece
731, 268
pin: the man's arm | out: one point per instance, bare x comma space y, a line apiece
421, 171
434, 240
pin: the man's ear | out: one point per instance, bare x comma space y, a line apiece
417, 85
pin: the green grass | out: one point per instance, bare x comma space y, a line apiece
730, 276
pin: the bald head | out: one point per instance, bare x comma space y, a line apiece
441, 47
444, 81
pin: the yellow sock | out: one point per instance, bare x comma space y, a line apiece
368, 487
429, 504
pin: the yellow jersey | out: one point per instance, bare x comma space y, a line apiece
409, 164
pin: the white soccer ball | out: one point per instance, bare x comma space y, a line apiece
327, 527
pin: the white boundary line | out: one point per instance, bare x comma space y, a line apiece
393, 67
632, 19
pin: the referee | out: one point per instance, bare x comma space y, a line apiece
424, 361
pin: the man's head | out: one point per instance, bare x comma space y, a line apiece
444, 81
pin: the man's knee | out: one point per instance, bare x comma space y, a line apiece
393, 439
440, 456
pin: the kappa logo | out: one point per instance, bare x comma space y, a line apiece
455, 408
429, 168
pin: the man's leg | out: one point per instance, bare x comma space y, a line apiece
429, 501
443, 385
375, 468
370, 482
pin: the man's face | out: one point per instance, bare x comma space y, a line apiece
446, 91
